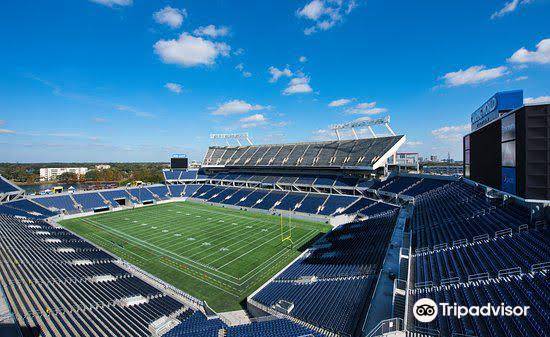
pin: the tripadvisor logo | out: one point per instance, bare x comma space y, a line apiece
426, 310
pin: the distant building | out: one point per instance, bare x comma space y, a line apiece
51, 173
194, 165
407, 160
433, 158
443, 170
102, 167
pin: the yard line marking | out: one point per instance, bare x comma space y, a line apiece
159, 250
261, 245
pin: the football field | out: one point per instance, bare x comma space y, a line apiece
216, 254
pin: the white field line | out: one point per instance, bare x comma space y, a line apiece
118, 247
208, 232
239, 242
227, 229
202, 280
163, 251
178, 240
215, 222
247, 234
207, 229
280, 256
248, 252
194, 244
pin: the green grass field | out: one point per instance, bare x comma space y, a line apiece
216, 254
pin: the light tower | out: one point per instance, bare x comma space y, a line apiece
236, 136
361, 124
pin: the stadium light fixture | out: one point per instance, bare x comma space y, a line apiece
362, 124
236, 136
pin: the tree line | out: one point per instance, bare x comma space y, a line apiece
121, 173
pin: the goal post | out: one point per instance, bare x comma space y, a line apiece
286, 229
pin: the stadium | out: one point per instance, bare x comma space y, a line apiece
295, 239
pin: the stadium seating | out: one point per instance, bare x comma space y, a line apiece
520, 250
345, 264
14, 212
353, 249
359, 205
141, 194
458, 211
71, 288
176, 190
289, 179
190, 190
425, 185
377, 208
269, 200
360, 152
251, 199
336, 203
290, 201
160, 191
6, 186
524, 290
311, 203
331, 304
90, 201
190, 175
59, 202
172, 174
114, 195
30, 207
399, 184
237, 196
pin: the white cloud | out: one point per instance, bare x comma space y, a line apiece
537, 100
373, 111
253, 121
540, 56
136, 112
211, 31
99, 120
473, 75
509, 7
366, 108
240, 68
170, 16
302, 59
298, 85
322, 135
236, 107
521, 78
313, 10
325, 13
174, 87
340, 102
276, 73
6, 131
451, 133
190, 51
366, 105
112, 3
412, 143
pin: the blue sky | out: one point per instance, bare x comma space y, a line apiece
123, 80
